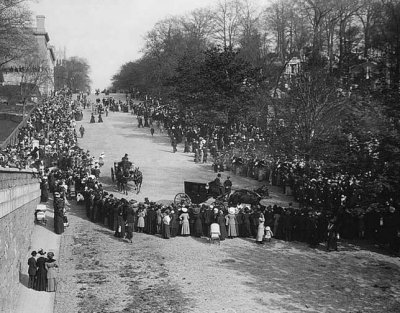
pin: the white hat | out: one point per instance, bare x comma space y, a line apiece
184, 210
231, 210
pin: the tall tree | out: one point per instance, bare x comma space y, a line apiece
227, 16
221, 82
77, 74
312, 112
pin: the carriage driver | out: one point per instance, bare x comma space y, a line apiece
126, 164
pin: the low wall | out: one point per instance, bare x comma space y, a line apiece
16, 118
19, 196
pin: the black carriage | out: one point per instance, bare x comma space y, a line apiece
194, 193
197, 193
201, 192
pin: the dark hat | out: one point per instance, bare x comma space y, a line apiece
41, 252
33, 253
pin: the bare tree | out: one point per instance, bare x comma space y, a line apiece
226, 18
15, 30
198, 27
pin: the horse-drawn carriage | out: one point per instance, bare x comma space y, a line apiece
210, 193
124, 171
198, 193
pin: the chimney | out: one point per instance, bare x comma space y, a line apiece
40, 23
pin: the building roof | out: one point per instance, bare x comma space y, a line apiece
38, 32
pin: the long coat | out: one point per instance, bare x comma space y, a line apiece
222, 226
32, 269
198, 226
174, 225
41, 274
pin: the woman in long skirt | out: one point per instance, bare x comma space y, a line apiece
130, 220
222, 225
231, 223
174, 224
198, 226
166, 222
184, 217
246, 227
260, 229
140, 223
51, 267
41, 274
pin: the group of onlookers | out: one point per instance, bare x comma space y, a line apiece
42, 271
241, 148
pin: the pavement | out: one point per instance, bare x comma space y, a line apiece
43, 237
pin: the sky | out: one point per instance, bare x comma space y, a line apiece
107, 33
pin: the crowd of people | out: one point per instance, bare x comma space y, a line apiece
49, 144
241, 148
244, 221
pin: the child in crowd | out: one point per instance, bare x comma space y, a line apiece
268, 234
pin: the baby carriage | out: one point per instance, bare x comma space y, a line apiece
215, 233
40, 214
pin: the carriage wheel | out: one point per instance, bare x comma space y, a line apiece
112, 175
182, 198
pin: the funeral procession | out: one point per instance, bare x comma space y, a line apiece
202, 156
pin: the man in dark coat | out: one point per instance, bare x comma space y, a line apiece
151, 221
174, 224
59, 205
82, 130
228, 185
32, 269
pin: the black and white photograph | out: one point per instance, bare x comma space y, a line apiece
199, 156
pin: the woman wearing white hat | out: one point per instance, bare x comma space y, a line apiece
231, 222
184, 217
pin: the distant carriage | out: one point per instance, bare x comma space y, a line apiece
78, 115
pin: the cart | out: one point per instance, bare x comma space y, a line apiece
40, 214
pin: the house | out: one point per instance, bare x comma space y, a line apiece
35, 71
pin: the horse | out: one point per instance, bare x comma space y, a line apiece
137, 179
122, 181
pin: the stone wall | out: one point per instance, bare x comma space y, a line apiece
16, 118
19, 196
